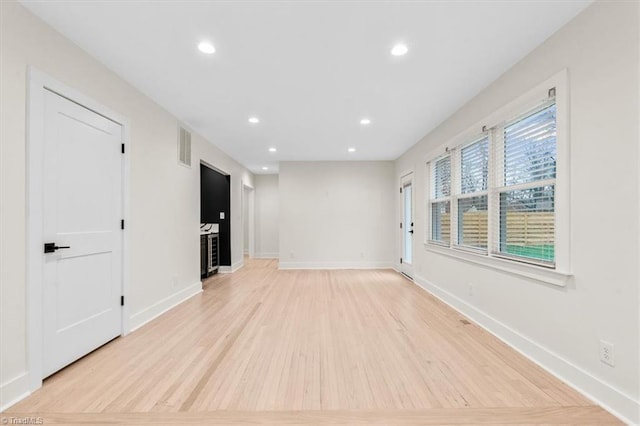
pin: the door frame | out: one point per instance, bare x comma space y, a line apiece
403, 178
38, 83
250, 192
221, 269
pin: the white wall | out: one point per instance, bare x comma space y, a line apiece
165, 197
266, 214
561, 327
336, 214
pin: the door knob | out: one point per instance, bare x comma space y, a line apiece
52, 247
411, 232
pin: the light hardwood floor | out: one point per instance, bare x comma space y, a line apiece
264, 346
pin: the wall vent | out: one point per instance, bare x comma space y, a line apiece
184, 147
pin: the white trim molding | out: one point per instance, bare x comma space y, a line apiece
249, 193
231, 269
14, 390
613, 400
336, 265
406, 178
147, 315
536, 273
267, 255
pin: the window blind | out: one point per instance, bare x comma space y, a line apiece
474, 161
440, 206
442, 178
526, 213
530, 148
472, 204
441, 222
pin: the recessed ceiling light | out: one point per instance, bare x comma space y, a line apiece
399, 49
206, 47
351, 150
265, 168
254, 120
272, 149
365, 121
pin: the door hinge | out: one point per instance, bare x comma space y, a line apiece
122, 224
121, 300
400, 225
123, 148
400, 260
401, 190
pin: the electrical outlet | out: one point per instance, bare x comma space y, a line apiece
606, 353
470, 288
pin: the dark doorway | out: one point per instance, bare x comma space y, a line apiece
215, 202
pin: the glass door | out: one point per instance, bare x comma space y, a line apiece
406, 226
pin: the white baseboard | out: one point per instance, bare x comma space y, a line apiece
618, 403
267, 255
148, 314
231, 269
14, 390
336, 265
235, 266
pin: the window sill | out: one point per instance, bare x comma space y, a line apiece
533, 272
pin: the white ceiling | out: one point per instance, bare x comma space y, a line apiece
310, 70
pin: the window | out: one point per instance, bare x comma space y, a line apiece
441, 202
526, 211
473, 200
496, 193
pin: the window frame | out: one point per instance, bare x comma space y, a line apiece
493, 125
431, 199
499, 186
458, 195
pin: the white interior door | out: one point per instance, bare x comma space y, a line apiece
248, 218
406, 226
82, 210
245, 220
